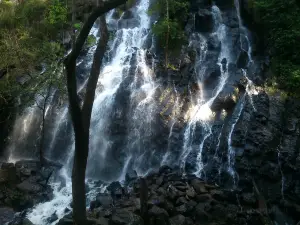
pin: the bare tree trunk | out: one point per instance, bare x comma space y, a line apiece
167, 36
43, 108
144, 199
81, 117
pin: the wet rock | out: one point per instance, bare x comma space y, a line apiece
52, 218
65, 221
159, 181
29, 187
190, 192
181, 201
224, 101
213, 43
200, 212
156, 200
131, 175
8, 173
116, 189
249, 198
124, 217
243, 60
157, 212
128, 15
178, 220
128, 23
199, 186
203, 197
104, 200
203, 20
6, 215
169, 207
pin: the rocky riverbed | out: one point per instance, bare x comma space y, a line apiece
174, 199
23, 185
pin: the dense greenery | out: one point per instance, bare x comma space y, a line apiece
281, 21
169, 29
29, 43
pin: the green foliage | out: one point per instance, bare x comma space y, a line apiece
90, 41
170, 26
281, 22
28, 39
57, 14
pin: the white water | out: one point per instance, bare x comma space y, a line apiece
167, 158
231, 151
112, 75
127, 46
201, 112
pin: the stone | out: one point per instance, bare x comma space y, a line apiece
131, 175
198, 186
169, 207
52, 218
204, 21
165, 169
177, 220
181, 201
7, 173
203, 197
124, 217
190, 192
249, 198
156, 200
6, 215
104, 200
218, 195
200, 212
28, 187
159, 181
158, 212
243, 60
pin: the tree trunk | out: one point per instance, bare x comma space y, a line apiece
81, 117
144, 199
42, 138
167, 36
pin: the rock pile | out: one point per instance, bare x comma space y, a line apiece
22, 185
174, 199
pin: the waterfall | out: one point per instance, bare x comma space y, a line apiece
126, 48
231, 150
201, 112
125, 125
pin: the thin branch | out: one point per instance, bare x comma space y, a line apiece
95, 72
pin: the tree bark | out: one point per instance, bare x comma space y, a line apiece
167, 36
81, 117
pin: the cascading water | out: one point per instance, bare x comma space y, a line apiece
201, 111
124, 118
127, 47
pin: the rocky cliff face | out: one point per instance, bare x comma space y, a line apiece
209, 116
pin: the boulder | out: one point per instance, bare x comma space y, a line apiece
199, 186
124, 217
131, 175
6, 215
104, 200
178, 220
28, 186
204, 21
52, 218
243, 60
158, 212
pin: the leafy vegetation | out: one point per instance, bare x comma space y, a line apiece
281, 22
29, 45
169, 29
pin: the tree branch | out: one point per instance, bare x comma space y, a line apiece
99, 11
95, 72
